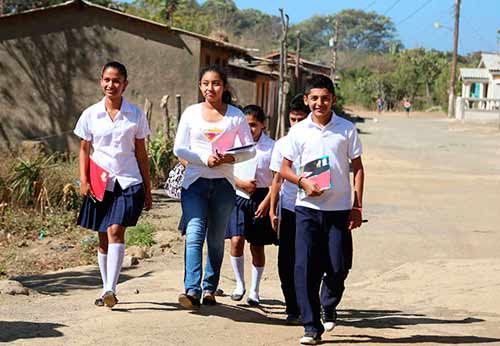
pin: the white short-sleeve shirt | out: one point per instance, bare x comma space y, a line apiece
195, 139
288, 193
339, 140
264, 148
113, 141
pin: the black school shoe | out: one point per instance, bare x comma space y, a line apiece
329, 318
209, 299
189, 302
310, 338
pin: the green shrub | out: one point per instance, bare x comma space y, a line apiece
141, 235
161, 157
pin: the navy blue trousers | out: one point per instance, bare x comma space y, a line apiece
323, 245
286, 260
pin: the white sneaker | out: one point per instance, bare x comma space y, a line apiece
310, 339
329, 326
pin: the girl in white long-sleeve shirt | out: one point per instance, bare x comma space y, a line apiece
206, 130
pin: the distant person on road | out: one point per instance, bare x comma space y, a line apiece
380, 104
324, 217
115, 130
407, 106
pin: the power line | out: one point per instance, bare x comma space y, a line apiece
415, 12
391, 7
370, 5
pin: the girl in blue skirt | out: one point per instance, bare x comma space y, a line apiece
250, 219
115, 130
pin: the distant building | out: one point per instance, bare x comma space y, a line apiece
481, 90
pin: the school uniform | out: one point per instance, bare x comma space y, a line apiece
323, 243
286, 251
113, 144
257, 231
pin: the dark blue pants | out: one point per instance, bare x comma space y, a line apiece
323, 245
286, 260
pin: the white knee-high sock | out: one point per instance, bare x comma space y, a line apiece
102, 261
116, 253
238, 264
256, 277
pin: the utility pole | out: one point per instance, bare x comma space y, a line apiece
283, 83
334, 46
453, 76
298, 85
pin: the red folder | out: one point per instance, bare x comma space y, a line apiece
98, 180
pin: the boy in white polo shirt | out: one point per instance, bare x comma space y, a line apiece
324, 217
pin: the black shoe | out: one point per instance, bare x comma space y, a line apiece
189, 302
253, 302
329, 318
310, 338
209, 299
99, 302
237, 297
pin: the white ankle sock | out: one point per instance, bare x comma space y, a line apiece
256, 277
238, 264
116, 253
102, 261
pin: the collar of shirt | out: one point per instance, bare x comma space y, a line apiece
310, 123
264, 141
125, 108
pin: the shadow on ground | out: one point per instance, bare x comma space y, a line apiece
395, 319
65, 281
15, 330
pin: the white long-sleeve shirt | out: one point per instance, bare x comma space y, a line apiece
196, 140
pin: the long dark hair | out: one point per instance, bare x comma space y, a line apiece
227, 97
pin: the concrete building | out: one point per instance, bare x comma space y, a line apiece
50, 61
480, 98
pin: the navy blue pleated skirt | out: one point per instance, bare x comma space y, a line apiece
119, 207
257, 231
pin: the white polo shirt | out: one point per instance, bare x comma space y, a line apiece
288, 193
113, 142
196, 139
264, 148
339, 140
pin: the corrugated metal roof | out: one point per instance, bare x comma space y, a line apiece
474, 73
491, 61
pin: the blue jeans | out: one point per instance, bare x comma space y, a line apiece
206, 208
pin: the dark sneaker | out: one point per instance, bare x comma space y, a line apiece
109, 299
329, 318
219, 293
189, 302
293, 320
209, 299
310, 338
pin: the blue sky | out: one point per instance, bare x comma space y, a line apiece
480, 19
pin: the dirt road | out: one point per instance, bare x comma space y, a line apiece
426, 267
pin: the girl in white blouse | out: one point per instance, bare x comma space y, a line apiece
115, 130
249, 219
206, 130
